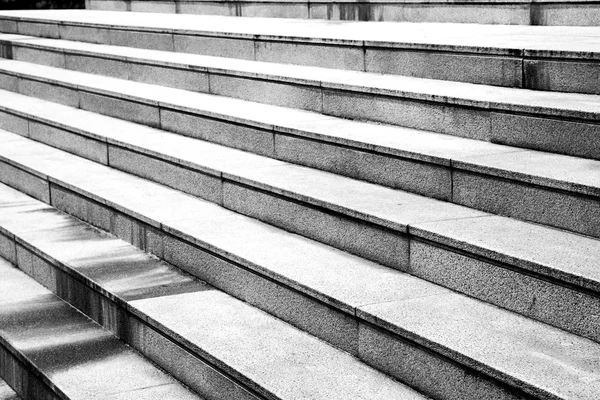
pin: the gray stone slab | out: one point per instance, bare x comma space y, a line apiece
176, 78
469, 123
560, 76
497, 71
64, 140
310, 54
154, 6
8, 26
569, 174
34, 55
49, 30
24, 182
214, 46
304, 312
564, 14
207, 8
199, 184
8, 250
552, 303
335, 277
556, 136
319, 371
49, 91
478, 13
363, 239
44, 273
551, 252
86, 210
383, 206
274, 10
9, 82
128, 110
422, 178
151, 203
244, 138
500, 341
97, 65
280, 94
530, 203
424, 370
199, 376
110, 5
88, 34
14, 124
143, 40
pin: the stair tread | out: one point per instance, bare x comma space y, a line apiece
575, 105
78, 356
7, 393
494, 336
259, 244
547, 169
496, 39
571, 257
265, 351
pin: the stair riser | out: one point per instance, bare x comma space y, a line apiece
542, 132
554, 207
18, 373
511, 68
523, 13
131, 326
263, 293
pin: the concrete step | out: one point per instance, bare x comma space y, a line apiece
525, 118
512, 12
369, 310
214, 343
550, 189
228, 177
6, 392
49, 350
545, 58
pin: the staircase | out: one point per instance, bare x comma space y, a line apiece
211, 207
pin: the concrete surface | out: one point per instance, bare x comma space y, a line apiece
563, 218
255, 330
538, 51
126, 274
320, 190
73, 353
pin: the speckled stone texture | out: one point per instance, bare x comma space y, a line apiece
73, 353
151, 288
338, 219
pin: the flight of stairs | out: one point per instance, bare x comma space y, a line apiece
234, 208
